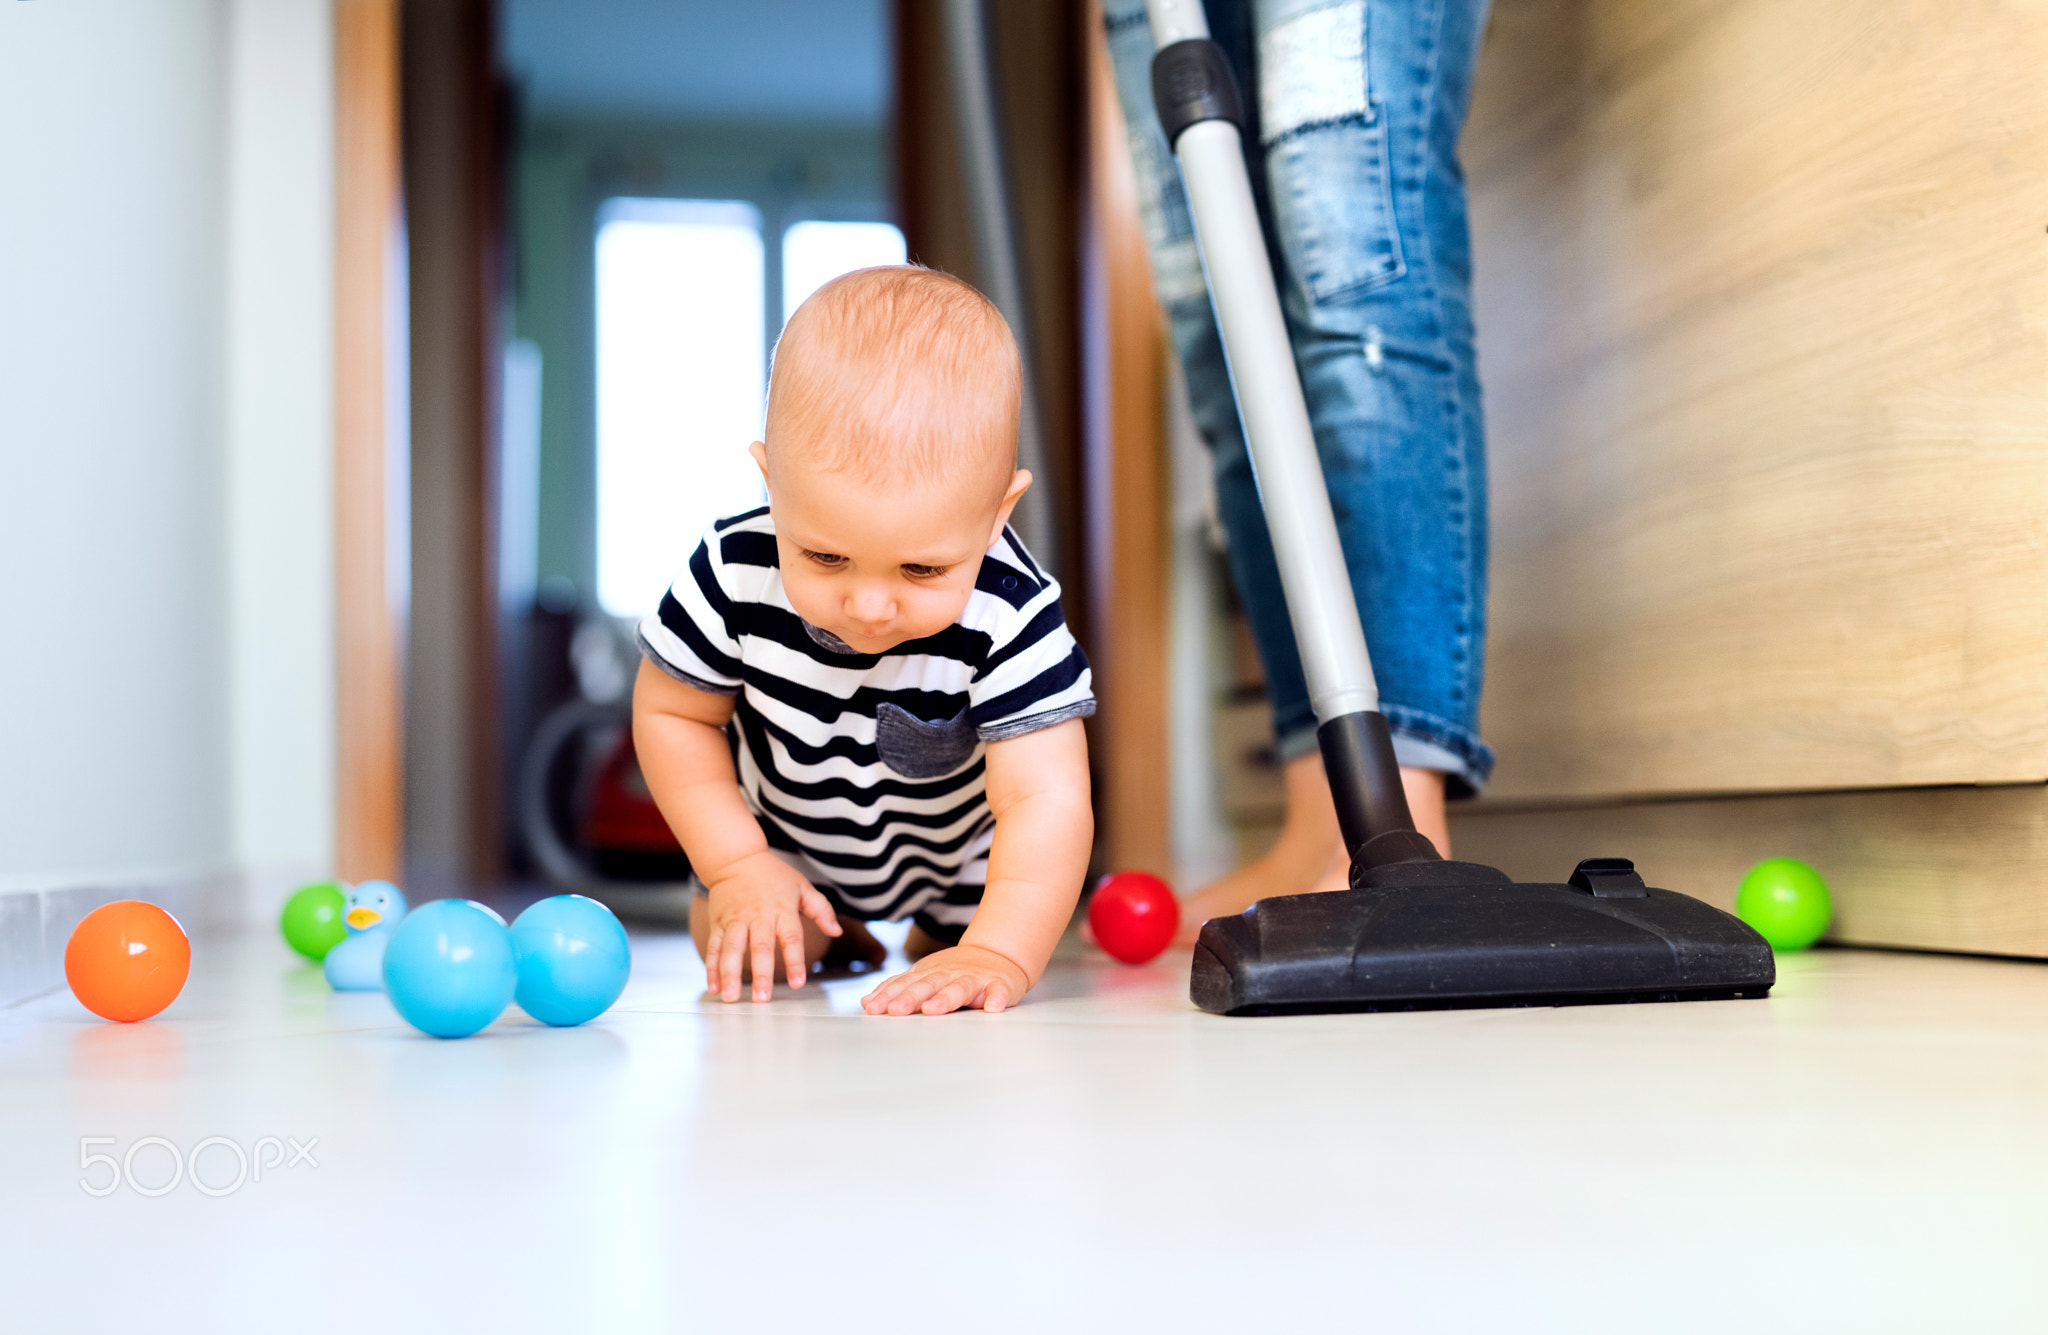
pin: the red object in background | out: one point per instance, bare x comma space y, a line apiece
127, 960
622, 815
1133, 915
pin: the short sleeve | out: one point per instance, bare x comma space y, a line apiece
691, 635
1034, 675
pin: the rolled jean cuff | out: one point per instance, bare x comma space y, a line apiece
1421, 741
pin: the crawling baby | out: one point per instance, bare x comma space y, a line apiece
861, 702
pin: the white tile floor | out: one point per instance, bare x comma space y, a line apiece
1866, 1151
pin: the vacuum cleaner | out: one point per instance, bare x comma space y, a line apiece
1413, 931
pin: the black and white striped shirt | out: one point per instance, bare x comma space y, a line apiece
866, 770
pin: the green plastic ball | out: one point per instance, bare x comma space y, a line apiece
312, 918
1786, 901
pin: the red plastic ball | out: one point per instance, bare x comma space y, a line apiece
127, 960
1133, 915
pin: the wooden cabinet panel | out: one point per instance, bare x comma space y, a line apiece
1763, 309
1925, 868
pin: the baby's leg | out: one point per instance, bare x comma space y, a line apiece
948, 917
854, 943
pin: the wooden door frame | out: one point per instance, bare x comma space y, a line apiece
369, 825
1127, 491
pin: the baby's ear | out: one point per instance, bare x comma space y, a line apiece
1020, 482
760, 453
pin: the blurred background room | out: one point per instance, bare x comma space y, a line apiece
370, 365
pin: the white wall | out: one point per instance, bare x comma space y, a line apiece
280, 412
165, 531
112, 706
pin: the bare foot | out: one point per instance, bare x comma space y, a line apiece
1307, 845
1425, 789
854, 951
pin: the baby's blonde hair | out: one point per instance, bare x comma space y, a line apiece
897, 371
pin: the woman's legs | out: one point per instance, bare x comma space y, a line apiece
1361, 105
1352, 150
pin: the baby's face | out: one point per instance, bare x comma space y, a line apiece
878, 563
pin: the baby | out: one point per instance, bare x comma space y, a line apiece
862, 701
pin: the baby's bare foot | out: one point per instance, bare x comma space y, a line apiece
853, 951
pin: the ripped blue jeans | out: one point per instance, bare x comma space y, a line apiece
1354, 111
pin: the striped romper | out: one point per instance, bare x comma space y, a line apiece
866, 771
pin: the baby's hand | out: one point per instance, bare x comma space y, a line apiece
946, 980
755, 903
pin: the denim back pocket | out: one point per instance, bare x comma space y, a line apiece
1326, 154
920, 750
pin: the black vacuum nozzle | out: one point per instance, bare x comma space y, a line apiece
1426, 935
1415, 932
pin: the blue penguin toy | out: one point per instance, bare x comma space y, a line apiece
357, 963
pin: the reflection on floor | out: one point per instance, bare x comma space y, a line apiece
1864, 1151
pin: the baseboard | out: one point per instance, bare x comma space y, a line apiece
1953, 869
35, 923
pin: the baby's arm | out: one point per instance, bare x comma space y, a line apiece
1038, 790
756, 897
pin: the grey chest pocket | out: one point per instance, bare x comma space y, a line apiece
920, 750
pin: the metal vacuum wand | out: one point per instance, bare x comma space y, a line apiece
1201, 112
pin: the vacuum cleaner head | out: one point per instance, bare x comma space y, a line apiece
1426, 935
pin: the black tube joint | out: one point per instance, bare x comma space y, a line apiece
1192, 82
1365, 783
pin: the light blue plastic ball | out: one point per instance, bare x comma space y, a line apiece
573, 959
449, 967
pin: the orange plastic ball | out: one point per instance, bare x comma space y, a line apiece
127, 960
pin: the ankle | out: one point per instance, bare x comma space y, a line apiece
1425, 791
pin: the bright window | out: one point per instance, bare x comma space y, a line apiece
680, 332
815, 253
